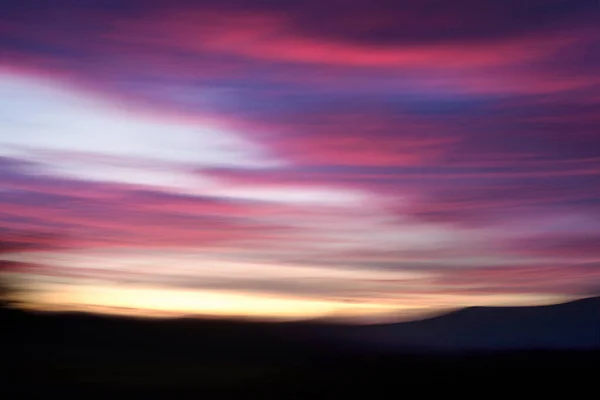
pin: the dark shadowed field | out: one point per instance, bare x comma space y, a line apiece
89, 355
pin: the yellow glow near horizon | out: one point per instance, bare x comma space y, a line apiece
158, 301
57, 294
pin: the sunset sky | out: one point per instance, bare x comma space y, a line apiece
292, 159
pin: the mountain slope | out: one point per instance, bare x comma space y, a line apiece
573, 325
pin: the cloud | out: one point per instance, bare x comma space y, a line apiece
562, 245
386, 136
515, 197
573, 279
95, 213
343, 114
152, 46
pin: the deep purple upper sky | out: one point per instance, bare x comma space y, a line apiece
300, 157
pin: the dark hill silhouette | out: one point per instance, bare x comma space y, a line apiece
50, 354
572, 325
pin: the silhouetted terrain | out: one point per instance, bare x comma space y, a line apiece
60, 353
573, 325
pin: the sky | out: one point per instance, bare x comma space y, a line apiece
354, 159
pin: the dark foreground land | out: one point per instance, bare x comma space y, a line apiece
81, 356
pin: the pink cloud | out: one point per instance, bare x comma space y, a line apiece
541, 279
566, 245
468, 117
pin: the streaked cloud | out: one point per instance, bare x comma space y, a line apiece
388, 155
